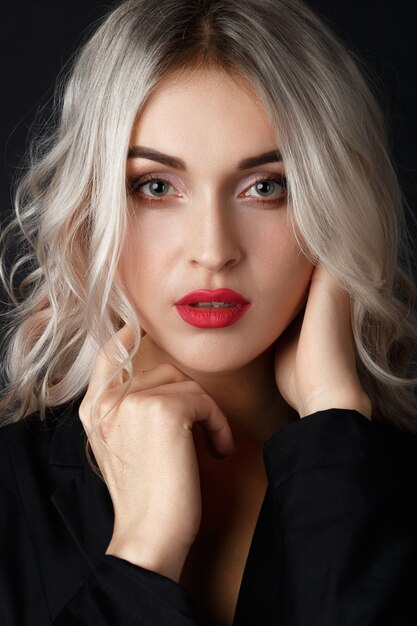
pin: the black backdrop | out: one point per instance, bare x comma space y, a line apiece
38, 37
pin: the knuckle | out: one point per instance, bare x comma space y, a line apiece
84, 411
133, 402
193, 386
157, 405
106, 406
163, 411
171, 372
106, 428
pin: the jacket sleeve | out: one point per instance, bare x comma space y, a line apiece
22, 600
120, 592
345, 522
116, 592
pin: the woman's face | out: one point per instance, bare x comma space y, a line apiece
207, 223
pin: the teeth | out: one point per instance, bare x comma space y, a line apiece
213, 305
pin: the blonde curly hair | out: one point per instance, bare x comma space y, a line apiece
71, 209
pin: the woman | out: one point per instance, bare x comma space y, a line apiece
216, 231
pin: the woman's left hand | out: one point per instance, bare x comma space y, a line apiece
315, 358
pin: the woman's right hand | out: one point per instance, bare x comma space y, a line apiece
145, 451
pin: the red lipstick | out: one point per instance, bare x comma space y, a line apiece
216, 308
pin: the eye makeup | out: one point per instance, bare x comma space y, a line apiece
137, 183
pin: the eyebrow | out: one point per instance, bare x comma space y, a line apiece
144, 152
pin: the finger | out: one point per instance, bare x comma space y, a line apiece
322, 279
187, 400
215, 425
201, 409
157, 377
218, 434
165, 373
320, 273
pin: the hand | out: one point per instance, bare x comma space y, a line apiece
145, 450
315, 362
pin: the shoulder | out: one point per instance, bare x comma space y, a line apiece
337, 437
36, 459
34, 442
33, 427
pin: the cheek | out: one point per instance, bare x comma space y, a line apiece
141, 261
286, 274
130, 268
282, 259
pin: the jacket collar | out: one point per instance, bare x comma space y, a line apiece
80, 497
67, 446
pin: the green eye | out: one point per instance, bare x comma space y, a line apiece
270, 187
156, 186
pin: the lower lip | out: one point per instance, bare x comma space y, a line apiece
211, 318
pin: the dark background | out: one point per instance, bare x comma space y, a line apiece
38, 37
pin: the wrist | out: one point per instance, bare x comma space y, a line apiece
341, 399
168, 563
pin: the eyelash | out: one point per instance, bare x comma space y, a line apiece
135, 183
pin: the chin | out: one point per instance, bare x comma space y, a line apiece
214, 359
217, 366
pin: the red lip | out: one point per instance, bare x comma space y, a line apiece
212, 317
209, 295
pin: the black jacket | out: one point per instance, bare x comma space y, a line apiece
335, 543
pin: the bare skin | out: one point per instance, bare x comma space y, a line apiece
292, 354
151, 430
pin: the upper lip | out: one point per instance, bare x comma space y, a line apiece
212, 295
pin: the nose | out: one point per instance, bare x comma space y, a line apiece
213, 240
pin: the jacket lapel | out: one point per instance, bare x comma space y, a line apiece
80, 496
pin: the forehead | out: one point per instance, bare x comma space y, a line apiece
203, 108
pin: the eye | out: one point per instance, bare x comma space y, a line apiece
269, 189
158, 187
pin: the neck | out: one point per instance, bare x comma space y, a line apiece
248, 396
